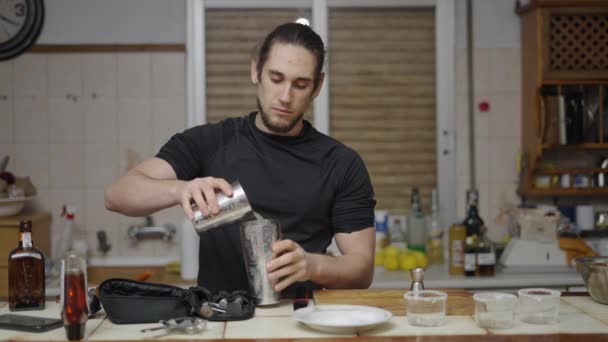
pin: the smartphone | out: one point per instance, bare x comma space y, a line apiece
29, 323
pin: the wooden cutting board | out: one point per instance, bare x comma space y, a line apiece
460, 302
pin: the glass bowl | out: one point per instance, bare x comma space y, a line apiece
426, 308
539, 306
495, 310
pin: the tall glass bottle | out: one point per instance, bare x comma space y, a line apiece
473, 224
434, 247
26, 273
416, 230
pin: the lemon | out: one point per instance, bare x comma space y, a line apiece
391, 262
391, 251
421, 259
379, 258
407, 261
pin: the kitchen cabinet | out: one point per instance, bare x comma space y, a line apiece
9, 239
564, 97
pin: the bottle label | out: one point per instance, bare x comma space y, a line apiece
457, 253
26, 239
469, 262
486, 259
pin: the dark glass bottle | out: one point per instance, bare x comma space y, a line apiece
473, 224
26, 273
486, 258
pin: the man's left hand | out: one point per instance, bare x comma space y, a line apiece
292, 264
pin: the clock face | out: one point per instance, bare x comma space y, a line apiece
20, 24
13, 15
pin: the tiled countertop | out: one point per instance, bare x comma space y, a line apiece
578, 315
438, 276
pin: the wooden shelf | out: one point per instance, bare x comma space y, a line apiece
575, 82
586, 146
570, 171
567, 192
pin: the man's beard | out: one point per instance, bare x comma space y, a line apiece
278, 127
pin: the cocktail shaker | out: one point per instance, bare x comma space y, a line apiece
232, 209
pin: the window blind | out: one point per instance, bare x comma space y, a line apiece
382, 97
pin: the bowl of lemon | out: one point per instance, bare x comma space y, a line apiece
394, 258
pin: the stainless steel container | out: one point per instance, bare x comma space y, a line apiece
232, 210
257, 237
595, 274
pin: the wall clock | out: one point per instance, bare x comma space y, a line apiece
20, 24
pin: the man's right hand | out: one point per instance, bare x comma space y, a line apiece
202, 192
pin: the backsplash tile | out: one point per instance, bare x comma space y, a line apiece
99, 74
32, 160
168, 75
100, 120
6, 73
134, 79
65, 75
30, 75
100, 164
67, 166
134, 120
167, 117
6, 118
66, 120
31, 120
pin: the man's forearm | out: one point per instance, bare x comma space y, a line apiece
345, 271
136, 194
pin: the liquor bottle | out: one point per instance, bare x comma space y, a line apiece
74, 297
486, 258
26, 273
434, 246
473, 224
458, 234
416, 230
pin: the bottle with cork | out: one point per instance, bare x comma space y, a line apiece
26, 273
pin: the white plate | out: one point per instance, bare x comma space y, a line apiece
342, 318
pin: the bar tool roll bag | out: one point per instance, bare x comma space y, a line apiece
128, 301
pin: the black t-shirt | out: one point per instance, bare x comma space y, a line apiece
312, 184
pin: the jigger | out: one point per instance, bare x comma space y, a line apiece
417, 275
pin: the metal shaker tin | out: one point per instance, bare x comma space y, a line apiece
232, 209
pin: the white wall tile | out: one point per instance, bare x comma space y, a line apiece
41, 202
503, 159
33, 160
134, 75
100, 164
481, 71
174, 216
168, 118
506, 115
6, 74
31, 120
99, 218
168, 74
461, 72
65, 75
99, 75
482, 119
67, 166
505, 69
134, 121
30, 75
502, 195
131, 154
6, 119
462, 115
482, 159
101, 120
67, 120
59, 198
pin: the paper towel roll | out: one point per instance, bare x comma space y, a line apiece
584, 217
189, 251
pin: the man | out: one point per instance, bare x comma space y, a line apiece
315, 186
